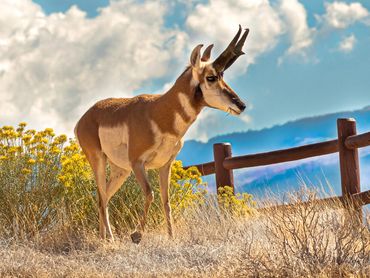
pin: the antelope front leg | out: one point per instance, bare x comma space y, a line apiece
164, 180
142, 179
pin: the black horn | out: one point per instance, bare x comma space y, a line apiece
238, 49
232, 52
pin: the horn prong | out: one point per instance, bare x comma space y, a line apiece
232, 52
238, 49
236, 38
241, 42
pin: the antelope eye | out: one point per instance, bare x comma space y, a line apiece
211, 78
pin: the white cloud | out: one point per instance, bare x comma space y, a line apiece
214, 21
340, 15
245, 118
217, 22
295, 18
52, 67
347, 44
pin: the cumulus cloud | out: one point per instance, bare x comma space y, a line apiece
217, 22
347, 44
295, 18
340, 15
52, 67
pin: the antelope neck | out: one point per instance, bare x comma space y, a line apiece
179, 107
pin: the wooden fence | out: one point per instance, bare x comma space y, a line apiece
347, 145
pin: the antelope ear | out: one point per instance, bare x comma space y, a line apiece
207, 53
195, 56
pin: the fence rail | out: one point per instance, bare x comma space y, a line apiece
346, 145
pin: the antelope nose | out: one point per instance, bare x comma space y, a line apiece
241, 105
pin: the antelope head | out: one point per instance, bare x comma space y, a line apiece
208, 76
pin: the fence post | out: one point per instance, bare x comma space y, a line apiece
349, 164
223, 176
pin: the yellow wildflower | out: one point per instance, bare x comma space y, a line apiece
31, 131
49, 132
62, 178
40, 155
3, 157
12, 150
41, 147
26, 138
31, 161
26, 171
60, 139
10, 133
55, 150
8, 127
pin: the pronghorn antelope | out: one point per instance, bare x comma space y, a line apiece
145, 132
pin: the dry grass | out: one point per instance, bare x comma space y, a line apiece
310, 241
48, 224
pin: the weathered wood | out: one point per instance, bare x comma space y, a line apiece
273, 157
349, 162
358, 141
347, 145
224, 176
362, 198
205, 168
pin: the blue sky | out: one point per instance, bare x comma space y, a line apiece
304, 58
89, 6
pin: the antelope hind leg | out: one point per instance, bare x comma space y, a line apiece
142, 179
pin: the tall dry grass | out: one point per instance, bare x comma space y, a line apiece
48, 224
308, 241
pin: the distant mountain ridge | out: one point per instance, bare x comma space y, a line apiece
293, 133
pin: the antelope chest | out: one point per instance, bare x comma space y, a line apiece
166, 147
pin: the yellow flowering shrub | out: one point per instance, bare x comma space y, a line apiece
46, 181
239, 204
29, 191
186, 191
187, 188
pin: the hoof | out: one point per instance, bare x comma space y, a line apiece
136, 237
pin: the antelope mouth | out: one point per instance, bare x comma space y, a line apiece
234, 111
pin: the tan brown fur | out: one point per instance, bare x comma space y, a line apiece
135, 112
146, 131
141, 114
